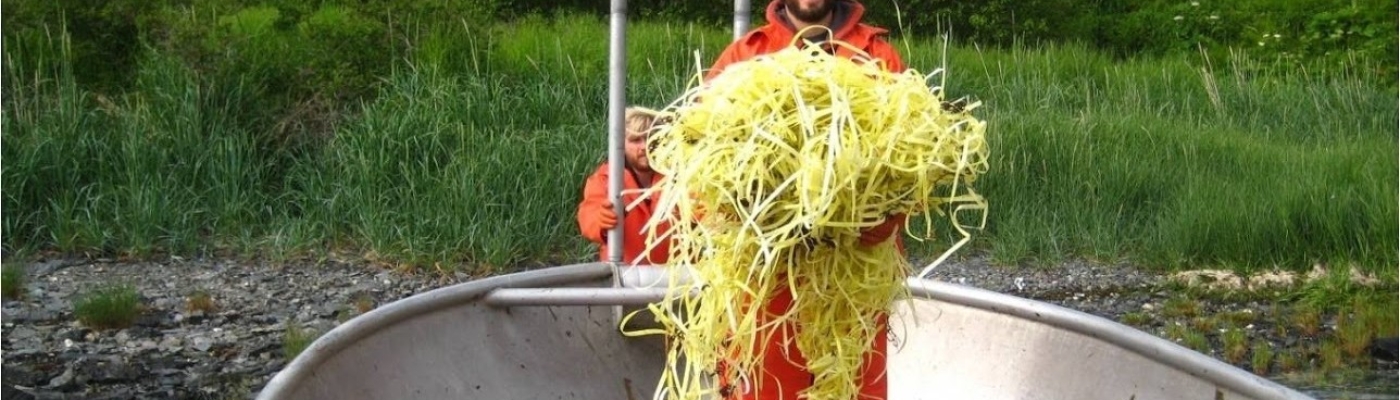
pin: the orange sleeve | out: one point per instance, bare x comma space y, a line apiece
595, 196
885, 51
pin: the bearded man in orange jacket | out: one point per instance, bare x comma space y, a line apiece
841, 18
595, 212
783, 373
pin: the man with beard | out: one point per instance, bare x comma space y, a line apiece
595, 211
783, 373
840, 18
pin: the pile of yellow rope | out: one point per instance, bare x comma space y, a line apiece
772, 170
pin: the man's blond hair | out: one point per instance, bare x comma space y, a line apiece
639, 119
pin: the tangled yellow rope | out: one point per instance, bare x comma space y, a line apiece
772, 170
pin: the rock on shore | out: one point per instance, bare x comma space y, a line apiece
174, 350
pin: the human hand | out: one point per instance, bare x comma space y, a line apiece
607, 219
879, 233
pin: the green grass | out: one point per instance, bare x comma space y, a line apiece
167, 167
1289, 362
474, 149
1237, 318
1331, 356
1236, 345
1197, 341
419, 176
1181, 307
112, 306
1111, 159
1137, 319
1307, 320
12, 281
1261, 357
1175, 331
295, 340
1204, 324
1364, 319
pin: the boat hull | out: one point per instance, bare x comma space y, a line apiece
950, 342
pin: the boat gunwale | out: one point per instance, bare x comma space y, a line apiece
1224, 376
1219, 373
282, 384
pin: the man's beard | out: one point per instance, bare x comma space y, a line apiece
811, 16
640, 165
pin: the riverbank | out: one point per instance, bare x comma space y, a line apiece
220, 328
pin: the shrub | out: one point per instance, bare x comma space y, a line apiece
108, 307
346, 53
201, 301
12, 281
363, 303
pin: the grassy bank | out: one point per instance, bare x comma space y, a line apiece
1181, 162
474, 149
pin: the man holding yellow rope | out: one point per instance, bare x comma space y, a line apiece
783, 373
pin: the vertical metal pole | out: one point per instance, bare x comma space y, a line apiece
617, 104
741, 18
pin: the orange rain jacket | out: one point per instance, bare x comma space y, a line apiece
784, 373
634, 235
778, 34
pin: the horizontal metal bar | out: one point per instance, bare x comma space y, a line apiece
651, 276
574, 296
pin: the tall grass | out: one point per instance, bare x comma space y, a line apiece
163, 168
45, 166
422, 175
475, 148
1180, 161
483, 166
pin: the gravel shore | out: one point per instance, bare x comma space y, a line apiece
182, 352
